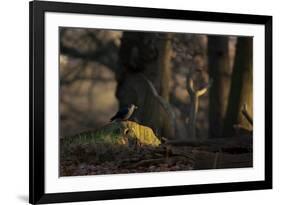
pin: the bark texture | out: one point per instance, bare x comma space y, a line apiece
241, 91
220, 72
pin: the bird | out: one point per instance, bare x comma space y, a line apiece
124, 113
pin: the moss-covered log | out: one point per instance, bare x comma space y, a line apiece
117, 133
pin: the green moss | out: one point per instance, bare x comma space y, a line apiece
125, 133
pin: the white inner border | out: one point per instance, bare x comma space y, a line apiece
56, 184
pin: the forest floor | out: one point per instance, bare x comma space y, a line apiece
127, 147
84, 160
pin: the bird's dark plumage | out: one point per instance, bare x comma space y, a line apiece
120, 114
124, 113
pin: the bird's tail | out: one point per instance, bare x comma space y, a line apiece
112, 119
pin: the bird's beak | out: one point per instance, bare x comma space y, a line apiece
136, 107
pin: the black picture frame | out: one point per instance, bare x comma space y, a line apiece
37, 194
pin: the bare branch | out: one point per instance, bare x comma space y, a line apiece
194, 103
246, 114
205, 89
99, 55
190, 85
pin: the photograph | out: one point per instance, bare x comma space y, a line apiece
132, 102
149, 101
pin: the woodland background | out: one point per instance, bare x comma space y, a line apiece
102, 70
192, 90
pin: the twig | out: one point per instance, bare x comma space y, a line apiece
146, 162
194, 103
246, 114
216, 160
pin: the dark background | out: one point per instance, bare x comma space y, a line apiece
102, 70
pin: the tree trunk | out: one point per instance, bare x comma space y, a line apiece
194, 102
144, 79
219, 72
241, 91
164, 65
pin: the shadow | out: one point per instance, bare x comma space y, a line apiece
23, 198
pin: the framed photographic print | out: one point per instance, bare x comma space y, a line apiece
139, 102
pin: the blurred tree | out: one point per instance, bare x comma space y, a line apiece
89, 45
164, 65
190, 57
88, 60
194, 94
143, 79
241, 91
219, 71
